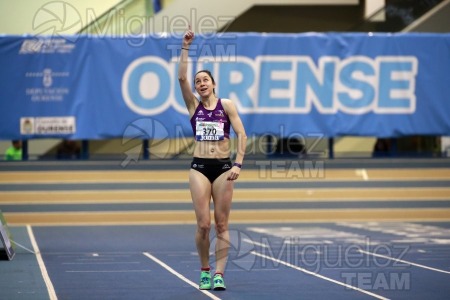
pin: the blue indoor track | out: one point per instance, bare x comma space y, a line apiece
382, 235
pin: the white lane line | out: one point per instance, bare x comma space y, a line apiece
165, 266
255, 243
362, 173
318, 275
404, 261
48, 282
110, 271
104, 263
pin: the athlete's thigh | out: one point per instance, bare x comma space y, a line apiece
200, 188
222, 193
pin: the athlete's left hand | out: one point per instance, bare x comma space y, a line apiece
234, 173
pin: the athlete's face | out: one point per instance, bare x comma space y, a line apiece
204, 84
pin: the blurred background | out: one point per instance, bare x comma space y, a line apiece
108, 16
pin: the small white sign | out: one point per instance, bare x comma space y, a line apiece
47, 125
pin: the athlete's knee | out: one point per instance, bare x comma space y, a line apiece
221, 227
204, 228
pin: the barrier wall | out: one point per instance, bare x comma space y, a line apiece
82, 87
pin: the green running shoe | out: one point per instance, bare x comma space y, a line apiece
205, 280
219, 284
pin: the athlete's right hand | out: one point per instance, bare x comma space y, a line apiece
188, 37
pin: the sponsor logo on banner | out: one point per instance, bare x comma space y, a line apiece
46, 93
47, 125
46, 46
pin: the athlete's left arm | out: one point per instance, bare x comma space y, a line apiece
239, 129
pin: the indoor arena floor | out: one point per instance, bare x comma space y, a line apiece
343, 229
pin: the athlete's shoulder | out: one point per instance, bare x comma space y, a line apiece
229, 106
226, 102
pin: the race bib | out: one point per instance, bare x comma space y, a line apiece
209, 131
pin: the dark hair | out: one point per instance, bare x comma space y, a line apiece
209, 74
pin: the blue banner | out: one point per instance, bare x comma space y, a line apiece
86, 87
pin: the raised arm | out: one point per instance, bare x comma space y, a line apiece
186, 90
